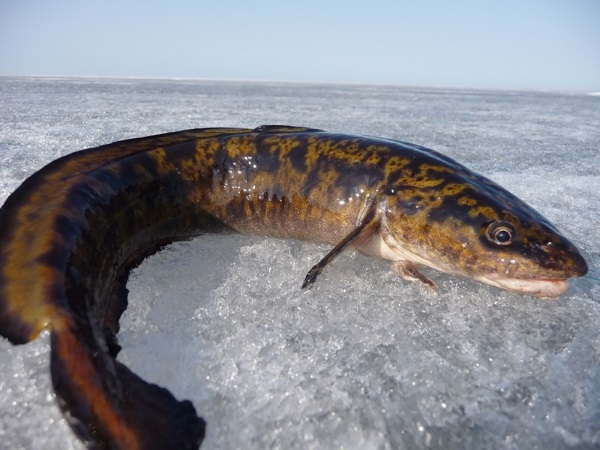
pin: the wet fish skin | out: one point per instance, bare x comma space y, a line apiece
72, 231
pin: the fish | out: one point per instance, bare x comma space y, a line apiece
71, 233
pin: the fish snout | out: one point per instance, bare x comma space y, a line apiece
565, 258
580, 267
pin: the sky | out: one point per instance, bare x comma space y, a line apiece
509, 44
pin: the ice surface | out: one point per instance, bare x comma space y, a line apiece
364, 359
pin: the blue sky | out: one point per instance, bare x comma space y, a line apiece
511, 44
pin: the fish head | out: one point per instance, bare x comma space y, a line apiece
468, 225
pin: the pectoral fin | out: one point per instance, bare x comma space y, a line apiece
367, 225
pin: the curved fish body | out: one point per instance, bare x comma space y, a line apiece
71, 233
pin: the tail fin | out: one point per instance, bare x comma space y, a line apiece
109, 407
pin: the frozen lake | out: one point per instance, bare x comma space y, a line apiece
363, 359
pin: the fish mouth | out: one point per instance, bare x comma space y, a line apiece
543, 288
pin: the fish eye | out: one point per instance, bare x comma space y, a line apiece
500, 233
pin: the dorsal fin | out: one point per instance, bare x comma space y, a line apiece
284, 129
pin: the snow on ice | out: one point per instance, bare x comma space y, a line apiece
364, 359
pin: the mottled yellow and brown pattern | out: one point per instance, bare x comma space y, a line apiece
72, 231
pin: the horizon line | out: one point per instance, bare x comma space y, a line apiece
592, 92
